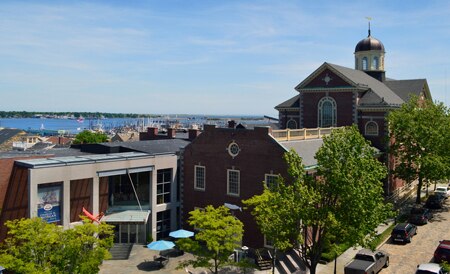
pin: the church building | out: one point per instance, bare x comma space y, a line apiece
335, 96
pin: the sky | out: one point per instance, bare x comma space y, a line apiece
204, 57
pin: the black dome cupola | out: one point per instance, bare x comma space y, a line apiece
369, 56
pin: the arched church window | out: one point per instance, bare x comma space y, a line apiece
327, 112
291, 124
371, 128
376, 63
364, 63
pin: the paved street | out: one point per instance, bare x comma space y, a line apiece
405, 258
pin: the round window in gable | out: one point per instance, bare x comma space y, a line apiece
233, 149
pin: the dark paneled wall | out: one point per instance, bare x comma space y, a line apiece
15, 205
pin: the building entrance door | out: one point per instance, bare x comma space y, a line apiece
130, 233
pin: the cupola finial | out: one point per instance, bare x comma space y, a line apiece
368, 19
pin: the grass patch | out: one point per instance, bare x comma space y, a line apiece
380, 238
328, 256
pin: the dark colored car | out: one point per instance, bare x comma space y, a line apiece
442, 252
403, 232
435, 201
420, 215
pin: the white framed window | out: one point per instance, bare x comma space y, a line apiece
233, 182
327, 112
271, 180
291, 124
371, 128
199, 177
233, 149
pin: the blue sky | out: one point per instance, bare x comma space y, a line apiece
203, 57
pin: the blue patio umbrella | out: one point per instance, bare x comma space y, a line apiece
160, 245
181, 233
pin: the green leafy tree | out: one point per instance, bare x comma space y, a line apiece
89, 137
276, 213
219, 233
35, 246
343, 202
420, 130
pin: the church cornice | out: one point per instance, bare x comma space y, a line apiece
377, 108
332, 89
287, 109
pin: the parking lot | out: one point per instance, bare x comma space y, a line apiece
404, 258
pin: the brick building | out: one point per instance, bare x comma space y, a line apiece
224, 166
334, 96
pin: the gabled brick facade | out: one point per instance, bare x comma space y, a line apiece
259, 154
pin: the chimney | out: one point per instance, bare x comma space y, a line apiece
193, 133
263, 130
152, 131
231, 124
208, 127
171, 133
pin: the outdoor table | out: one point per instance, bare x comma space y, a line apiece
161, 260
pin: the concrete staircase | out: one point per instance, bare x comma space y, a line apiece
290, 262
120, 251
263, 259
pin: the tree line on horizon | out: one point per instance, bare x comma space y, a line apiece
96, 115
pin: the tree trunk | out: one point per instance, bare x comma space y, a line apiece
274, 258
216, 271
312, 270
419, 189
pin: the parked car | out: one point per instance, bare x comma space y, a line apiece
442, 190
435, 201
430, 268
442, 252
367, 261
420, 215
403, 232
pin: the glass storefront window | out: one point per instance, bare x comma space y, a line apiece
121, 191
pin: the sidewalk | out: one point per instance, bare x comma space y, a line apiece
348, 255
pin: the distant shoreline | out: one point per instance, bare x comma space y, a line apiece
101, 115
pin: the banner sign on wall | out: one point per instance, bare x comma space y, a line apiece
49, 203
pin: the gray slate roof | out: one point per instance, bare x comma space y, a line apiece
306, 149
53, 152
8, 133
404, 88
382, 94
390, 93
291, 103
153, 146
